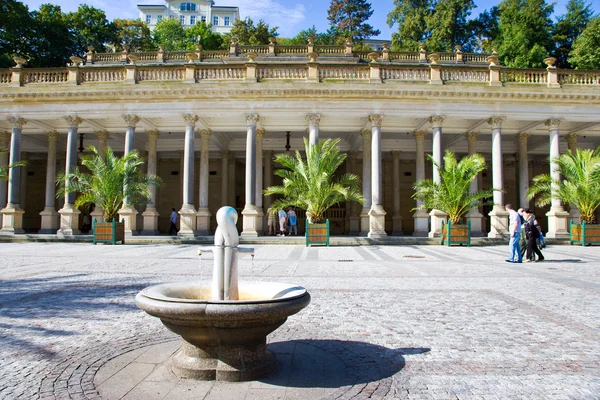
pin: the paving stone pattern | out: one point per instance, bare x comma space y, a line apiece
397, 322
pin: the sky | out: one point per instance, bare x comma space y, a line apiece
290, 16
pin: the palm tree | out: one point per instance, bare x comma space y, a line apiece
5, 168
309, 184
111, 180
452, 195
579, 185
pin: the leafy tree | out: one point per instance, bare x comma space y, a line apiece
448, 25
484, 31
16, 32
249, 34
585, 53
569, 27
310, 185
133, 33
91, 28
452, 195
54, 41
202, 34
170, 33
410, 15
579, 184
350, 16
524, 33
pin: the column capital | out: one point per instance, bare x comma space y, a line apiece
523, 137
437, 121
420, 135
571, 139
102, 135
16, 122
553, 123
313, 119
260, 133
52, 136
366, 134
496, 122
396, 155
471, 136
225, 153
131, 120
205, 133
376, 119
153, 134
353, 154
252, 119
73, 121
190, 119
4, 136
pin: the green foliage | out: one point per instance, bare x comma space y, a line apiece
249, 34
53, 42
133, 33
90, 28
333, 36
452, 195
4, 169
16, 32
410, 15
310, 184
484, 30
568, 28
586, 53
110, 181
579, 184
202, 34
350, 17
448, 24
170, 33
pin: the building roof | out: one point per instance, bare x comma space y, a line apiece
151, 5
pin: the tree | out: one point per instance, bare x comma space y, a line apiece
579, 184
410, 15
248, 34
54, 41
484, 31
170, 33
350, 16
585, 54
91, 28
452, 195
202, 34
16, 32
110, 181
310, 185
524, 33
568, 28
448, 25
133, 33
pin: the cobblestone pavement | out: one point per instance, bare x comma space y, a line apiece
398, 322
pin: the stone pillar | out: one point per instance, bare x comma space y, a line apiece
474, 216
354, 218
203, 215
498, 215
420, 217
376, 213
313, 127
250, 214
69, 214
260, 133
187, 220
437, 216
396, 218
225, 178
523, 170
574, 214
268, 178
366, 182
232, 184
102, 135
50, 221
151, 215
12, 214
557, 216
4, 143
23, 186
128, 213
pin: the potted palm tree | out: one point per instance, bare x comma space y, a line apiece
310, 185
579, 186
452, 195
110, 182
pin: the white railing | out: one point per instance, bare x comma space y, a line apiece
102, 74
160, 74
220, 73
107, 57
283, 72
350, 73
566, 77
176, 56
291, 50
403, 56
405, 74
254, 49
214, 54
465, 75
328, 50
475, 58
533, 76
5, 76
45, 76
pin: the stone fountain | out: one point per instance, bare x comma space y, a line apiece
223, 325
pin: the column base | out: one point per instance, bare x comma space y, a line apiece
187, 220
69, 221
250, 221
354, 226
437, 217
421, 221
260, 221
364, 222
203, 222
557, 223
377, 222
12, 221
397, 226
476, 219
50, 221
128, 214
498, 223
150, 222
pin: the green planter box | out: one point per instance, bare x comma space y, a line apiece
317, 234
584, 234
109, 232
456, 234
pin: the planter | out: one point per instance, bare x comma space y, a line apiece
456, 234
109, 232
317, 234
584, 234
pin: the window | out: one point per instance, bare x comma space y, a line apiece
182, 19
171, 17
226, 23
187, 7
203, 18
215, 21
148, 19
192, 20
159, 18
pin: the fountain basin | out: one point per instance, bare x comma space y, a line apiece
222, 340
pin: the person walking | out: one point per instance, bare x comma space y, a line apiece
515, 231
282, 218
272, 221
173, 228
532, 231
292, 221
522, 236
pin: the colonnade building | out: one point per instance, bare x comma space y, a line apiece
209, 124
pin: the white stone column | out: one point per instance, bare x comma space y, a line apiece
4, 144
151, 215
396, 218
260, 133
366, 182
268, 178
12, 214
232, 177
574, 214
69, 214
250, 214
376, 213
557, 216
420, 217
128, 213
354, 218
187, 220
50, 221
225, 178
102, 135
523, 138
437, 216
313, 127
203, 215
474, 216
498, 215
24, 173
